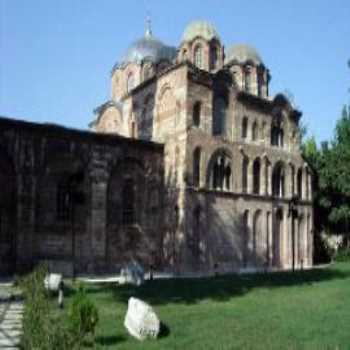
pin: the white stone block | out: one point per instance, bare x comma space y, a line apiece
52, 282
140, 320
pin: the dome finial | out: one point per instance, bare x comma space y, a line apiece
148, 32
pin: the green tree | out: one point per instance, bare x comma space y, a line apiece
331, 167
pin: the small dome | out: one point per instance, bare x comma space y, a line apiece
149, 48
200, 28
243, 53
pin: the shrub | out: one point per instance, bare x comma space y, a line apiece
40, 330
83, 314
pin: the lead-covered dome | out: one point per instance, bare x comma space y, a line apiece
243, 53
200, 28
148, 48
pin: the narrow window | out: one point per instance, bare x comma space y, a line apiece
248, 81
278, 181
219, 116
213, 57
128, 202
245, 175
196, 167
197, 114
256, 176
244, 127
300, 183
198, 59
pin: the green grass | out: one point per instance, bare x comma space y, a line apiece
304, 310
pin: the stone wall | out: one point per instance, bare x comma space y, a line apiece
66, 200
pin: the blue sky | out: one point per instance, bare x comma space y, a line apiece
56, 56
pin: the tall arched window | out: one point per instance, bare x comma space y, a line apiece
196, 166
300, 183
256, 176
278, 180
198, 56
244, 127
213, 57
248, 80
130, 82
197, 113
128, 202
221, 172
245, 166
255, 131
277, 134
219, 116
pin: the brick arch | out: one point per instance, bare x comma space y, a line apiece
127, 189
64, 187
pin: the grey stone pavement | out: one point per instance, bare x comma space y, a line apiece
11, 313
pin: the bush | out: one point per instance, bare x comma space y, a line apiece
83, 315
40, 330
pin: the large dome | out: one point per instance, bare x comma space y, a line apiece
149, 48
243, 53
200, 28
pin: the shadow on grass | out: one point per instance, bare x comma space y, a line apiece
164, 330
221, 288
109, 339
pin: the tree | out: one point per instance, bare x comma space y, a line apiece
331, 166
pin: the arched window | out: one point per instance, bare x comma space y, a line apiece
278, 180
277, 134
130, 82
213, 57
219, 116
244, 127
221, 173
63, 200
300, 183
274, 135
197, 113
245, 166
255, 131
198, 56
196, 166
247, 80
128, 202
256, 176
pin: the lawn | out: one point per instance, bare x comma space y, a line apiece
301, 310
